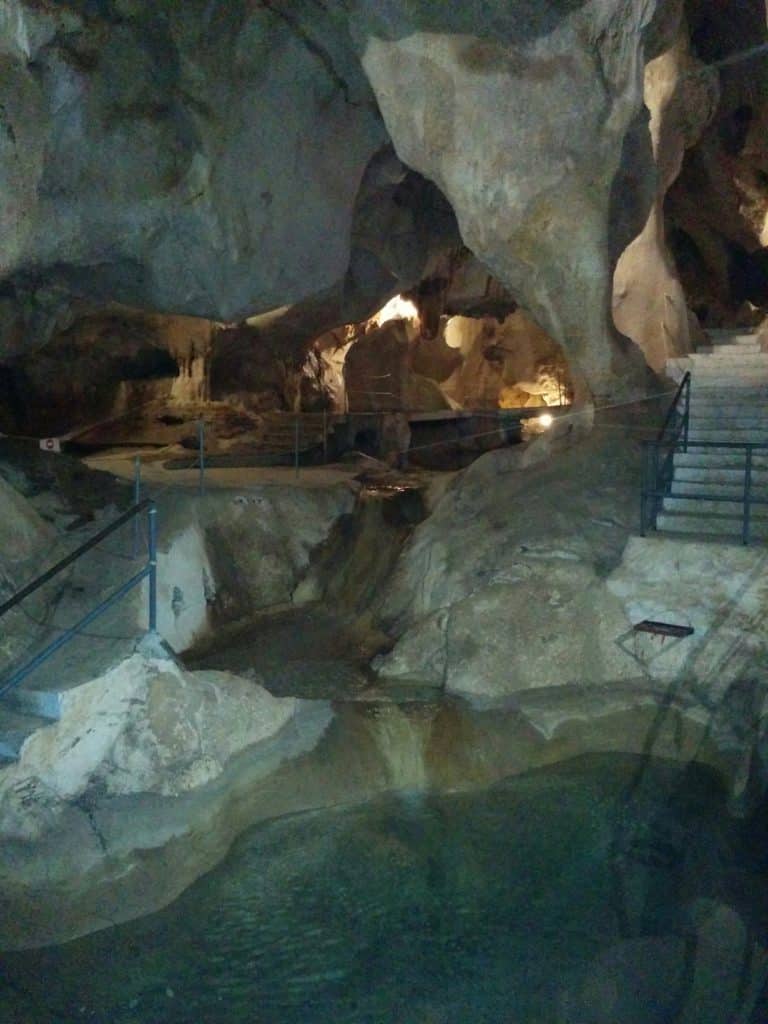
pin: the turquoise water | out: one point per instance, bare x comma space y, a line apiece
570, 894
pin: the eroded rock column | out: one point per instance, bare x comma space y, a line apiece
531, 121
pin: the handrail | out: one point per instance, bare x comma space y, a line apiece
657, 475
148, 572
73, 556
685, 388
659, 491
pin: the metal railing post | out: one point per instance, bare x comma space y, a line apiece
655, 484
644, 490
747, 496
201, 454
296, 446
687, 411
152, 562
136, 500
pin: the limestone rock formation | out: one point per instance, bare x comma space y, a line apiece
145, 151
113, 810
489, 604
223, 159
160, 730
716, 210
649, 302
528, 166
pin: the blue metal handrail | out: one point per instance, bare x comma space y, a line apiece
148, 572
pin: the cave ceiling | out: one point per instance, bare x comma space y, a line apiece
223, 159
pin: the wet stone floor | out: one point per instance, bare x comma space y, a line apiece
606, 889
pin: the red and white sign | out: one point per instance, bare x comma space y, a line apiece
50, 444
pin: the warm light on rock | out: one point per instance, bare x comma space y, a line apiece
397, 308
545, 421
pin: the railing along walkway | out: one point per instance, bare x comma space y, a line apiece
149, 571
658, 465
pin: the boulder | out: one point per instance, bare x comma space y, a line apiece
145, 727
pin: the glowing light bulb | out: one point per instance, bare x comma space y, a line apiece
545, 420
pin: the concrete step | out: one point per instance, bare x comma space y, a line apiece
741, 365
718, 488
726, 347
702, 506
698, 477
701, 365
705, 392
728, 398
726, 370
40, 703
719, 458
725, 413
747, 366
748, 376
739, 355
14, 730
709, 525
735, 419
729, 334
728, 435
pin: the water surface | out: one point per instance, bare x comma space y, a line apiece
582, 893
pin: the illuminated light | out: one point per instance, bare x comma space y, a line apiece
397, 308
545, 421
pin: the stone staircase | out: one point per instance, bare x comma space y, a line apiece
729, 403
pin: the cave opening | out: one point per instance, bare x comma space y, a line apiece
448, 355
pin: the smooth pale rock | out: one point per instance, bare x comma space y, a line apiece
261, 541
147, 727
465, 103
721, 590
649, 304
559, 628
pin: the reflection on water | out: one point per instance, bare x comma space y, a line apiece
571, 894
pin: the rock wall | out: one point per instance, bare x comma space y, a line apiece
716, 210
226, 160
526, 576
139, 154
512, 364
649, 303
547, 209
